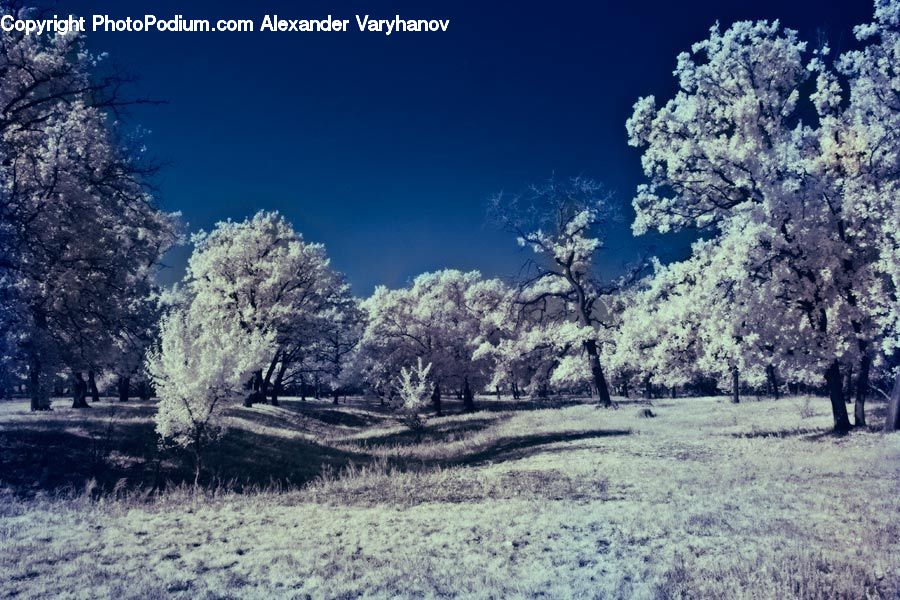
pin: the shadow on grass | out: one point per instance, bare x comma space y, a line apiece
434, 433
66, 450
810, 434
508, 405
298, 413
519, 447
56, 455
247, 458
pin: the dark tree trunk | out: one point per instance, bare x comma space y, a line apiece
625, 390
279, 381
848, 386
648, 388
735, 386
892, 422
266, 382
498, 393
124, 388
468, 398
255, 386
79, 391
92, 386
834, 382
590, 347
435, 399
862, 388
34, 385
674, 392
515, 391
198, 465
336, 396
146, 390
772, 380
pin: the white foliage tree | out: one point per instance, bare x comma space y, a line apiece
415, 390
261, 274
730, 153
561, 295
198, 370
443, 317
79, 236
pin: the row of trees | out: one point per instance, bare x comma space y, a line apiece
797, 194
794, 280
80, 238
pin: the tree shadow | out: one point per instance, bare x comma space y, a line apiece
448, 431
524, 405
518, 447
810, 433
59, 455
69, 451
246, 458
299, 412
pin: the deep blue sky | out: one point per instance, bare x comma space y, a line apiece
386, 148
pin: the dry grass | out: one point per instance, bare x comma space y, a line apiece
707, 500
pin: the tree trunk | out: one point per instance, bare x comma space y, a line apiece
468, 398
124, 388
198, 465
436, 399
255, 385
674, 392
735, 386
648, 388
590, 347
848, 385
92, 386
279, 381
498, 393
862, 388
79, 391
772, 380
834, 381
35, 390
266, 382
892, 422
625, 390
336, 396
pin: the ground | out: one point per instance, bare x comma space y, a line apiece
704, 499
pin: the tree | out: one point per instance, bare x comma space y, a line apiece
198, 369
261, 274
730, 154
79, 235
859, 141
441, 317
696, 319
415, 391
561, 224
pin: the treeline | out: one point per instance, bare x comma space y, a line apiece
785, 160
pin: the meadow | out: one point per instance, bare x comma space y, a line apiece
705, 499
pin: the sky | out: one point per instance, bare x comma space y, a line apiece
387, 148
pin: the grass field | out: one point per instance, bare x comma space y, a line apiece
706, 499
